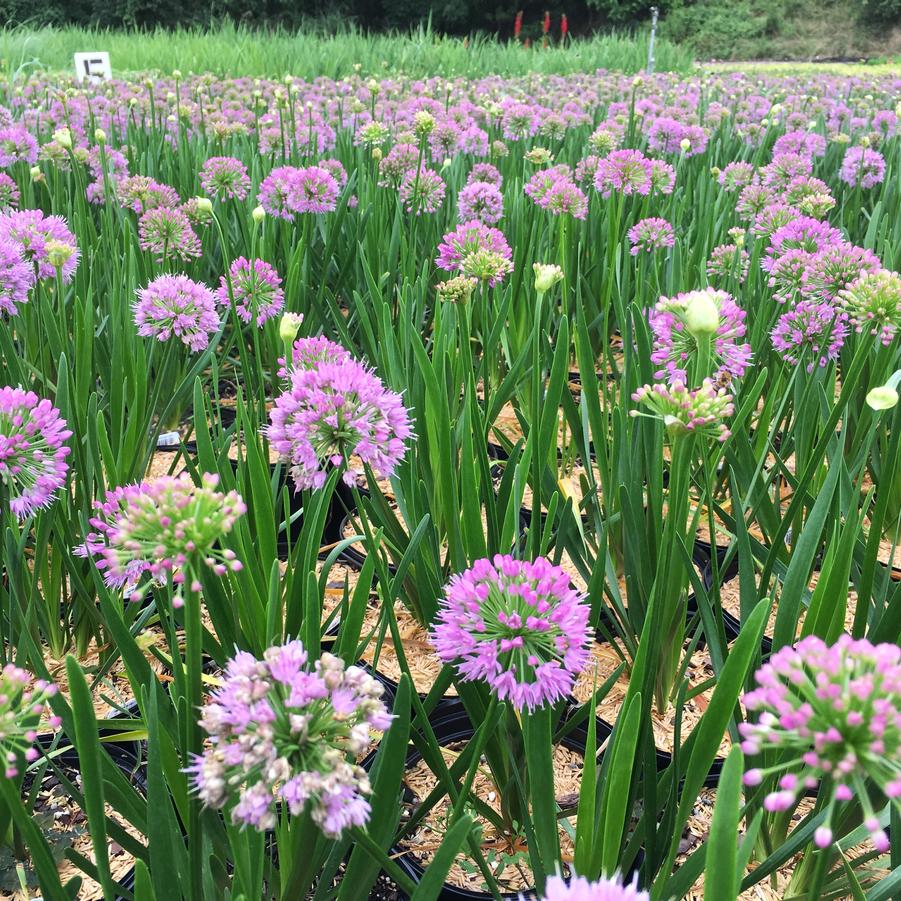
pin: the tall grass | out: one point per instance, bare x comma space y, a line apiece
241, 51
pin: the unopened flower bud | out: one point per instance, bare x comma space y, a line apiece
702, 315
258, 214
63, 137
99, 135
882, 398
546, 276
289, 326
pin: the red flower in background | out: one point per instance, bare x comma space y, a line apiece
546, 24
564, 27
517, 25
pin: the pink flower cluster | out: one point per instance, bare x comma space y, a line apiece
701, 411
288, 191
225, 177
651, 234
834, 714
32, 450
476, 250
37, 235
16, 277
519, 626
281, 732
24, 704
334, 410
554, 190
256, 288
161, 529
308, 353
175, 305
811, 333
580, 889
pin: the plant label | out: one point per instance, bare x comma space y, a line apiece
92, 67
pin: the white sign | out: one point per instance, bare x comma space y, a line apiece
93, 67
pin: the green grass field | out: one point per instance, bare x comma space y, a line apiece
239, 51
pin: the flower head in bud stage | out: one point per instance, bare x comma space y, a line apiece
883, 397
372, 134
539, 156
605, 139
308, 353
702, 411
728, 261
421, 192
772, 217
394, 166
24, 708
873, 304
258, 214
862, 167
481, 201
580, 889
812, 333
676, 333
423, 123
651, 234
175, 305
16, 278
833, 712
32, 450
458, 289
162, 528
281, 731
10, 196
518, 626
33, 231
753, 200
167, 234
225, 177
546, 276
477, 251
332, 411
256, 287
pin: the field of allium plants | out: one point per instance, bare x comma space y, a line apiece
451, 488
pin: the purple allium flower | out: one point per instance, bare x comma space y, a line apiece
476, 250
16, 277
421, 192
276, 192
24, 708
587, 168
163, 528
314, 190
834, 713
481, 201
787, 274
803, 143
168, 235
736, 176
177, 305
728, 261
675, 344
543, 181
336, 170
873, 304
38, 235
225, 177
17, 145
333, 411
650, 235
309, 353
484, 172
753, 200
565, 198
580, 889
281, 732
801, 233
862, 167
835, 268
32, 450
772, 217
257, 290
140, 193
805, 188
605, 138
812, 333
520, 627
624, 172
667, 135
784, 169
10, 196
396, 163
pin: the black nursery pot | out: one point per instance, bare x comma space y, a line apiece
128, 760
451, 726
